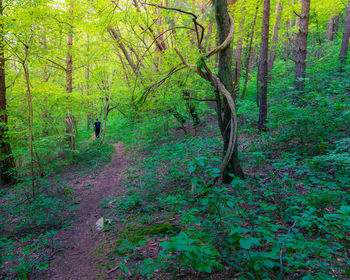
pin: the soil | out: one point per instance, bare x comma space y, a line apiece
76, 261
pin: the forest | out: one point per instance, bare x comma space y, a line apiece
167, 139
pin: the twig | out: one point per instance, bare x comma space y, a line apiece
298, 15
113, 269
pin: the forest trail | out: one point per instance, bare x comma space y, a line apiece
77, 260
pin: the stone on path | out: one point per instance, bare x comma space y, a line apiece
100, 223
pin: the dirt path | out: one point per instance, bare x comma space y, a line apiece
82, 238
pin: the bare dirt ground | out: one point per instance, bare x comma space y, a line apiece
77, 259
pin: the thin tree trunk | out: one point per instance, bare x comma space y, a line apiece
87, 78
263, 69
31, 116
331, 29
69, 86
289, 40
248, 61
124, 69
191, 108
7, 163
226, 77
160, 45
300, 49
116, 36
296, 28
336, 26
345, 42
272, 56
46, 77
238, 59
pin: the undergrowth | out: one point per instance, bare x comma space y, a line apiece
31, 217
289, 219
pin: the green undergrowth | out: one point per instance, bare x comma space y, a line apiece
289, 219
297, 214
31, 217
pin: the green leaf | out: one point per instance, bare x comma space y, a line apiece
192, 169
248, 242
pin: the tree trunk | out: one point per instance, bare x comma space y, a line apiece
296, 28
7, 163
70, 123
345, 42
263, 69
116, 36
249, 55
31, 119
226, 77
336, 25
125, 71
331, 29
191, 108
87, 78
300, 49
288, 47
272, 56
238, 59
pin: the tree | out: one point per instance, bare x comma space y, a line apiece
7, 164
225, 75
238, 59
345, 42
331, 28
70, 121
263, 69
300, 48
250, 47
272, 55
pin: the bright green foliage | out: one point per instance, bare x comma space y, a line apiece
289, 219
293, 209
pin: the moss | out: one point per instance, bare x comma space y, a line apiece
67, 191
133, 232
161, 228
136, 233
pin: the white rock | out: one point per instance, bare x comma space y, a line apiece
101, 222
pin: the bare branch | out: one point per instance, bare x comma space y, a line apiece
55, 63
171, 9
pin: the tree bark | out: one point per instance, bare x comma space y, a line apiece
116, 36
190, 106
87, 78
288, 47
272, 56
70, 122
331, 29
31, 119
263, 69
7, 163
300, 49
249, 55
345, 42
238, 59
226, 77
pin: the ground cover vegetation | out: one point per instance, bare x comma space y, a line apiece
236, 116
